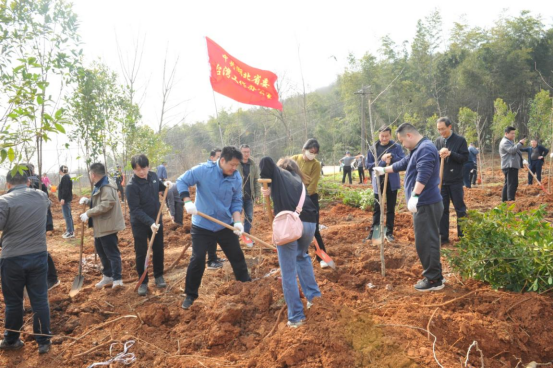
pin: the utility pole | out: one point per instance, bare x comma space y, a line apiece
362, 92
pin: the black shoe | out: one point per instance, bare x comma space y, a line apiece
427, 285
444, 241
44, 348
214, 265
220, 260
160, 282
390, 238
143, 290
4, 345
187, 303
53, 284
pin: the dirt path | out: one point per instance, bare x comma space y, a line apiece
233, 324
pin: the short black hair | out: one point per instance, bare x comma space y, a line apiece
509, 129
17, 179
311, 143
98, 169
445, 120
385, 129
140, 160
244, 146
64, 169
214, 152
29, 169
406, 128
230, 152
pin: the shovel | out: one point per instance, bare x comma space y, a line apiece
79, 279
380, 230
442, 161
322, 254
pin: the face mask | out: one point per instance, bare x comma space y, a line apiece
310, 156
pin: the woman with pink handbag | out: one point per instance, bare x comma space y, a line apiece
290, 200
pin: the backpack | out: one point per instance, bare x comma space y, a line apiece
287, 225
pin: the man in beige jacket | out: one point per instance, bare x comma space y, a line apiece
106, 217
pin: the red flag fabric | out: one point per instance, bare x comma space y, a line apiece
239, 81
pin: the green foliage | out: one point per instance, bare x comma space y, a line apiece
540, 115
467, 124
506, 249
502, 118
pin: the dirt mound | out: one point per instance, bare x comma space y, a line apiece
362, 320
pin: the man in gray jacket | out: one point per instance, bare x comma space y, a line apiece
24, 260
251, 189
106, 218
511, 161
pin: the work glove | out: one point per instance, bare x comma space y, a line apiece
239, 228
412, 204
84, 216
190, 208
525, 162
551, 155
84, 200
154, 227
379, 170
266, 192
168, 183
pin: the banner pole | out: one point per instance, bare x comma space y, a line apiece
217, 117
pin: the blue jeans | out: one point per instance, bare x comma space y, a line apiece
248, 214
108, 251
66, 210
294, 260
29, 270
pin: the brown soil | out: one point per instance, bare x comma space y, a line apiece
234, 324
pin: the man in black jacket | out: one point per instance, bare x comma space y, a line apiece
65, 196
143, 199
454, 149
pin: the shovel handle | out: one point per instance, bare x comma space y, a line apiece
265, 183
233, 229
442, 162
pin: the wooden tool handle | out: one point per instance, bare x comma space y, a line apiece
442, 162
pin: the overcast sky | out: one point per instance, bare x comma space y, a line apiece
274, 36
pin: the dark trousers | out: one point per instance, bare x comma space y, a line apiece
427, 240
467, 172
391, 200
108, 251
474, 175
347, 171
202, 239
315, 199
455, 193
49, 220
121, 190
361, 172
511, 184
535, 166
179, 212
26, 271
141, 234
52, 272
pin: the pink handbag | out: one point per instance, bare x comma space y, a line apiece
287, 225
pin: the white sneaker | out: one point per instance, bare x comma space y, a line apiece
104, 282
117, 283
309, 304
324, 264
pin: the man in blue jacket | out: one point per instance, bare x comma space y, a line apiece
143, 199
422, 176
387, 152
453, 149
219, 195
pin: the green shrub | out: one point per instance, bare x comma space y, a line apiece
506, 249
367, 199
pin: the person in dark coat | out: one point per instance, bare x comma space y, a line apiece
454, 149
65, 196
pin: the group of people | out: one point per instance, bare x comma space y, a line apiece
227, 186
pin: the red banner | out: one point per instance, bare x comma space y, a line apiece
239, 81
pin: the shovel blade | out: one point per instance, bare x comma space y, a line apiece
325, 257
77, 285
377, 234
